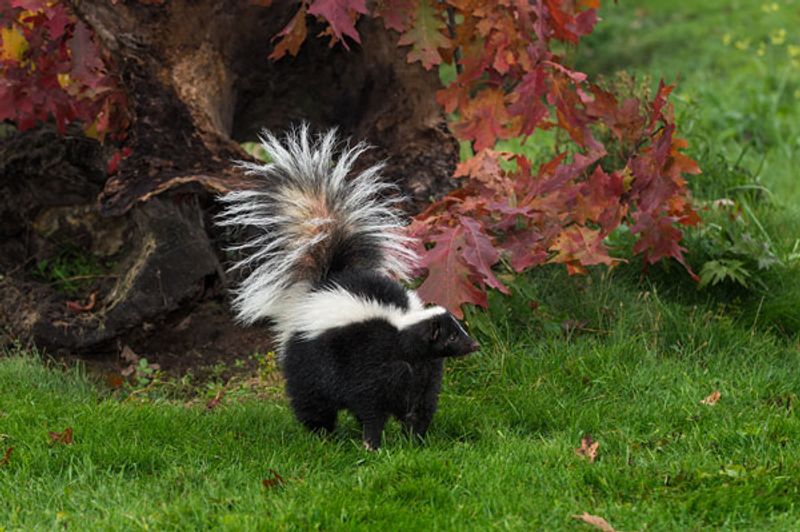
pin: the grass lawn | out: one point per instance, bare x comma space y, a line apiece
624, 359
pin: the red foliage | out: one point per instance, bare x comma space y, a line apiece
616, 160
51, 68
511, 83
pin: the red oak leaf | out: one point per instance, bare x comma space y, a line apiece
396, 14
485, 119
340, 15
599, 200
624, 120
527, 101
114, 161
64, 438
29, 5
580, 245
524, 249
448, 283
485, 168
588, 448
480, 253
86, 62
658, 239
275, 481
77, 306
712, 398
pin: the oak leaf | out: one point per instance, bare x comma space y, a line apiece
425, 36
588, 449
292, 36
275, 481
480, 253
6, 456
213, 403
340, 15
64, 438
449, 282
581, 245
485, 119
595, 521
397, 15
77, 306
712, 399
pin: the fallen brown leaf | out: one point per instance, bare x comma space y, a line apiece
6, 456
588, 448
115, 380
712, 399
64, 438
276, 480
77, 306
213, 403
595, 521
129, 355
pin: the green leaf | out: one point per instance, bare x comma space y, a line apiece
716, 271
425, 36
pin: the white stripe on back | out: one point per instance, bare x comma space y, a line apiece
316, 312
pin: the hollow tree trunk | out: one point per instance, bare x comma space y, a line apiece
198, 82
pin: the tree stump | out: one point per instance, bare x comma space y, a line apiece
198, 81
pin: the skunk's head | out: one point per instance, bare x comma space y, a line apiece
449, 339
440, 335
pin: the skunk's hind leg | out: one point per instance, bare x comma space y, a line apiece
317, 415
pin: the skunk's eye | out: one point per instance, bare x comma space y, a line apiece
452, 337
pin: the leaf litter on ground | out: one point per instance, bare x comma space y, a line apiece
595, 521
64, 438
712, 399
588, 448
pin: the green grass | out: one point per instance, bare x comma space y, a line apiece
500, 452
624, 359
737, 69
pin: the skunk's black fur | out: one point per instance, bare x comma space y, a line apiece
321, 268
370, 368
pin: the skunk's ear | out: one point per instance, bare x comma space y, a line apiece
436, 329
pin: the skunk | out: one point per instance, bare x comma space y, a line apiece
321, 263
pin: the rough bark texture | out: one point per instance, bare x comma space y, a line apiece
198, 82
198, 71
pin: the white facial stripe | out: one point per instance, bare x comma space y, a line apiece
317, 312
459, 326
415, 316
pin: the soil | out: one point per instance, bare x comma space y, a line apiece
202, 342
197, 340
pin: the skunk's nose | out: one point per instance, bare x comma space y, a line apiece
474, 346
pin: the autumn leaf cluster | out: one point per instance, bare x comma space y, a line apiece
617, 160
511, 83
51, 68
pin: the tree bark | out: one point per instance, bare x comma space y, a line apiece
198, 82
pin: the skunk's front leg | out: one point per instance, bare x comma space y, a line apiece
417, 422
372, 424
419, 418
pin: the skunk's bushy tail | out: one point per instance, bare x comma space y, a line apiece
308, 218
